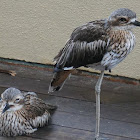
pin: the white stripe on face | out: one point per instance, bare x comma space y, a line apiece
133, 20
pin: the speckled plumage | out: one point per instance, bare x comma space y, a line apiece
26, 112
100, 44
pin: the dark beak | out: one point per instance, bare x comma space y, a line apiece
7, 106
136, 23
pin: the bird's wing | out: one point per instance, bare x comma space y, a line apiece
35, 110
87, 45
35, 106
30, 93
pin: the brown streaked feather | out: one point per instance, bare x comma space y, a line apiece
90, 44
58, 80
98, 44
123, 44
60, 77
23, 117
35, 106
87, 45
90, 32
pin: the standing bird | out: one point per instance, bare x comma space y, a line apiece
22, 113
101, 45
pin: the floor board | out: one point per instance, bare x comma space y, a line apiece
75, 117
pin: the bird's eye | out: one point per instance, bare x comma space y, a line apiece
122, 20
17, 100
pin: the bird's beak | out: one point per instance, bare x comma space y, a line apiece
7, 106
136, 23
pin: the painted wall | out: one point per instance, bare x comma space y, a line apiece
35, 30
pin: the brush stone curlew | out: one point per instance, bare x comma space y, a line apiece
22, 113
101, 45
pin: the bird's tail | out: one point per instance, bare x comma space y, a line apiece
58, 80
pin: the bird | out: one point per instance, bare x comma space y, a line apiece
21, 113
101, 45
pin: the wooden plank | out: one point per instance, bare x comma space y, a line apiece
26, 138
76, 113
82, 90
117, 119
114, 112
87, 123
20, 138
119, 112
54, 132
41, 86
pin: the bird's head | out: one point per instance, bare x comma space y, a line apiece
123, 19
11, 100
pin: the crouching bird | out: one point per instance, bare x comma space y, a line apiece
22, 113
101, 45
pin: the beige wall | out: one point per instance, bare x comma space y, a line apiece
35, 30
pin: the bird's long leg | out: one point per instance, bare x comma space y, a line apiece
97, 93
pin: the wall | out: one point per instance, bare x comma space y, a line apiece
35, 30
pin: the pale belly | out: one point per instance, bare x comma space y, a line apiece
116, 54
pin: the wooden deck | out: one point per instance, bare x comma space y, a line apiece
75, 117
